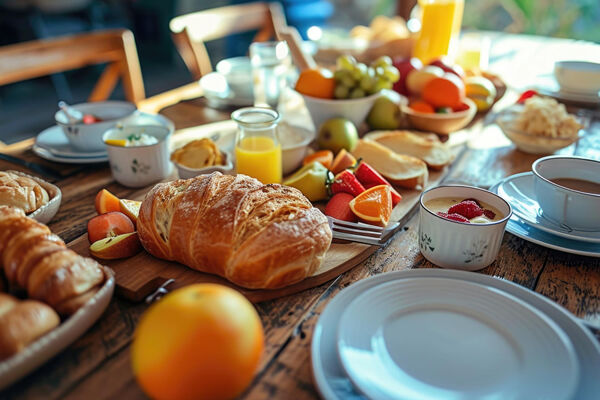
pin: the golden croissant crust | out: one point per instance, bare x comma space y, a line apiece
255, 235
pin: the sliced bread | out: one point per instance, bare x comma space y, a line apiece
429, 149
401, 170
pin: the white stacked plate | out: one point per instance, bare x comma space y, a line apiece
433, 334
528, 221
52, 144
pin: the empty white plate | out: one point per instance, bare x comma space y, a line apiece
518, 191
444, 338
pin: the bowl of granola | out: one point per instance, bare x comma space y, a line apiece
541, 126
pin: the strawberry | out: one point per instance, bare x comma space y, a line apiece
369, 178
346, 182
453, 217
489, 214
467, 208
472, 199
526, 95
338, 207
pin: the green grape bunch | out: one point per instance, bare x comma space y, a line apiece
354, 80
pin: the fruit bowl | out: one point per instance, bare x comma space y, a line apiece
441, 123
529, 143
355, 110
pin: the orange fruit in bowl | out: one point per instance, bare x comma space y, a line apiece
374, 205
203, 341
421, 106
316, 83
445, 91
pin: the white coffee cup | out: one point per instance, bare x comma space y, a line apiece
571, 208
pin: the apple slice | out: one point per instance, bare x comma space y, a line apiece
131, 208
106, 202
108, 225
121, 246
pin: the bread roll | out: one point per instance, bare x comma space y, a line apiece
21, 192
255, 235
22, 322
36, 260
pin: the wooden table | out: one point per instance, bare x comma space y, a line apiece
98, 364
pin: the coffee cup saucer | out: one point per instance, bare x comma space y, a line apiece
519, 192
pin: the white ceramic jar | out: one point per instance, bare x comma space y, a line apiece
139, 166
461, 245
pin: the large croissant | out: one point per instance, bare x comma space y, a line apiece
255, 235
36, 260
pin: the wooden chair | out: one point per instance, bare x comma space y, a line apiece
22, 61
190, 31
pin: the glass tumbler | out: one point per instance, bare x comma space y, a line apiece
257, 148
270, 65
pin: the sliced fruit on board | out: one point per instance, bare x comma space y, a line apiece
346, 182
374, 205
121, 246
401, 170
110, 224
131, 208
106, 202
311, 180
369, 178
342, 160
435, 154
325, 157
338, 207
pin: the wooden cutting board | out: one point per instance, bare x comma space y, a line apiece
141, 275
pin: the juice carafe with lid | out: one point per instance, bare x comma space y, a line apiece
440, 27
257, 148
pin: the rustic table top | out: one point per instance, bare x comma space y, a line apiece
98, 364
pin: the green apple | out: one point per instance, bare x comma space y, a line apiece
385, 114
336, 134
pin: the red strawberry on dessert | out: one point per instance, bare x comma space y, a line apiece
453, 217
369, 178
489, 214
467, 208
338, 207
346, 182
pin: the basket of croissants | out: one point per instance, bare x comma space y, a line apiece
48, 283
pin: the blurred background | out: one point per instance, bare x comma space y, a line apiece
28, 107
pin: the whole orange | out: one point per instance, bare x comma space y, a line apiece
445, 91
316, 83
203, 341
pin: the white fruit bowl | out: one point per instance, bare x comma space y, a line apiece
355, 110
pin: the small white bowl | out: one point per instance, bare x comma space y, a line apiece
45, 213
355, 110
529, 143
238, 74
139, 166
578, 76
461, 245
294, 145
88, 137
570, 208
187, 172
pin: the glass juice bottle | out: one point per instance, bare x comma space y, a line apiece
440, 27
257, 148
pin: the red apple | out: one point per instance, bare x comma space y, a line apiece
405, 66
447, 66
120, 246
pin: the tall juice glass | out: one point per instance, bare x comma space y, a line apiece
440, 27
257, 149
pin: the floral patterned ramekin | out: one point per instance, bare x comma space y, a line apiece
461, 245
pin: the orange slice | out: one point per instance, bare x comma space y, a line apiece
325, 157
374, 205
106, 202
131, 208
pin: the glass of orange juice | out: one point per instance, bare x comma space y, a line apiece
440, 26
257, 148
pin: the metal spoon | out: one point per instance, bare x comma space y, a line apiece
74, 116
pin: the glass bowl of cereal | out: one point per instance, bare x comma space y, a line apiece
541, 126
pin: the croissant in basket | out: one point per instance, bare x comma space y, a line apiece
37, 261
255, 235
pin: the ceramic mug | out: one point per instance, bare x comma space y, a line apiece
139, 166
461, 245
570, 208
